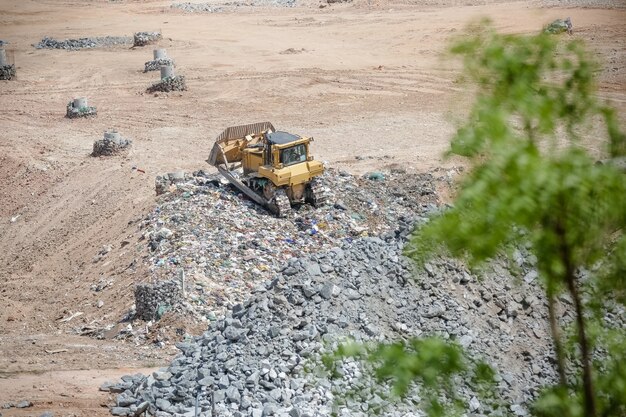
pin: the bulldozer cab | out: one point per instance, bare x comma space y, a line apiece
293, 155
288, 149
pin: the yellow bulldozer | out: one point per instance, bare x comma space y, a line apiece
273, 168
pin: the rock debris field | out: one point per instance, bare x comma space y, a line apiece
279, 293
84, 43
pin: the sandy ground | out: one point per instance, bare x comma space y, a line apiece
367, 79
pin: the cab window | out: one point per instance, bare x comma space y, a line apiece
293, 155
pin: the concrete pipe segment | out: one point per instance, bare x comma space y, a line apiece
167, 71
112, 135
159, 54
80, 103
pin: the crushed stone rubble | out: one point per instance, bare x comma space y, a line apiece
188, 7
72, 112
156, 64
166, 85
153, 300
7, 72
146, 38
111, 144
278, 293
83, 43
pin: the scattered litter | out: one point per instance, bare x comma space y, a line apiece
52, 352
71, 316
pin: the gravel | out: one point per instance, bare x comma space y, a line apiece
166, 85
278, 293
189, 7
7, 72
156, 64
111, 144
197, 7
146, 38
83, 43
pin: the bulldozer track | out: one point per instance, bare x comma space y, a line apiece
318, 194
280, 204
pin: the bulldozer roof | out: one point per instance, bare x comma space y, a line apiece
282, 138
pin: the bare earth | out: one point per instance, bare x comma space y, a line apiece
365, 79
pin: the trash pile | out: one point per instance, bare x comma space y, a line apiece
146, 38
293, 288
83, 43
168, 84
111, 144
226, 244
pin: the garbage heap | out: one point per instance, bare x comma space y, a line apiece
169, 84
79, 108
226, 243
111, 144
146, 38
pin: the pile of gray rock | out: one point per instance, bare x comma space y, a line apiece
197, 7
111, 144
278, 293
153, 300
259, 360
156, 64
168, 84
146, 38
83, 43
79, 108
160, 59
7, 70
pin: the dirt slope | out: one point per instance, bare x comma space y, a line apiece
365, 79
